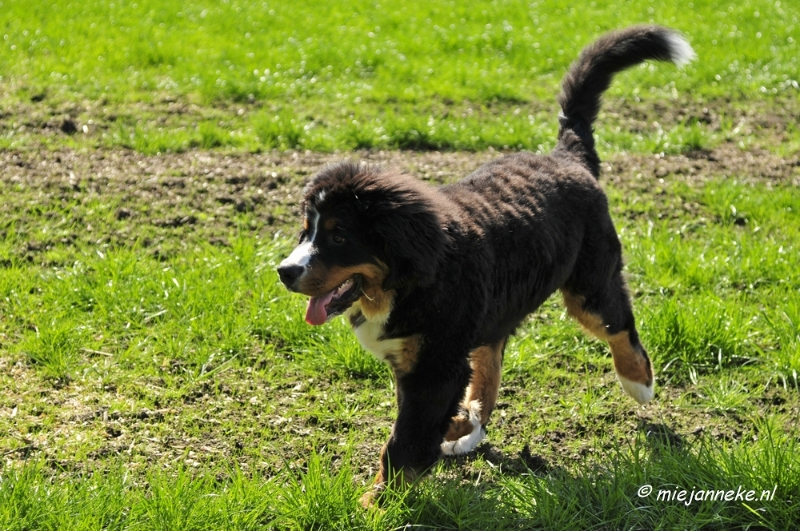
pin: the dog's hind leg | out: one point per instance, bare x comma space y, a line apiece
468, 428
608, 316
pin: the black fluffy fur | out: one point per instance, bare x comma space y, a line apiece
469, 261
591, 75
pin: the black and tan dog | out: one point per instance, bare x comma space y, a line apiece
433, 280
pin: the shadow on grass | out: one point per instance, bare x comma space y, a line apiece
662, 480
634, 487
660, 436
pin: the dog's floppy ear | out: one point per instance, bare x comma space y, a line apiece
413, 239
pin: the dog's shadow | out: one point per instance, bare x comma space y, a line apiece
466, 479
661, 437
520, 463
469, 466
461, 487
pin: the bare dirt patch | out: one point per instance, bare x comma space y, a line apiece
207, 195
696, 167
169, 201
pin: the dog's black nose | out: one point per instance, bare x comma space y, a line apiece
290, 273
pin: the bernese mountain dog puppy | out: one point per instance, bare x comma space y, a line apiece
433, 280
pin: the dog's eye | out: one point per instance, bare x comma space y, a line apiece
338, 238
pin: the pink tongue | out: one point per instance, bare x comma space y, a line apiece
315, 313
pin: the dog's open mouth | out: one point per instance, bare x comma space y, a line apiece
323, 307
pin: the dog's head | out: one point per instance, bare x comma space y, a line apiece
366, 234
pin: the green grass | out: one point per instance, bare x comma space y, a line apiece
322, 497
167, 76
186, 392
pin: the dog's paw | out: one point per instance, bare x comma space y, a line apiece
471, 440
640, 392
369, 500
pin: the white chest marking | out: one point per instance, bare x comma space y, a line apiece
369, 334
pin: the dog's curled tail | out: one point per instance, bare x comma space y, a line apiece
591, 74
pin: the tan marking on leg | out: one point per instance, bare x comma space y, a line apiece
487, 367
480, 398
398, 391
459, 427
403, 362
387, 479
629, 361
590, 321
468, 442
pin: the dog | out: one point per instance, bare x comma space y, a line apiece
433, 280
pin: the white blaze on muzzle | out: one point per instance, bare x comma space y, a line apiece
301, 256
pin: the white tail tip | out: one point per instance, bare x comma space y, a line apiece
680, 51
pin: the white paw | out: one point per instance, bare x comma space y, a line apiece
468, 442
640, 393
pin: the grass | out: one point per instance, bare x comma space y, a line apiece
610, 497
154, 374
246, 76
169, 393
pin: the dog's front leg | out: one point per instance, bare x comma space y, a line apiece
429, 400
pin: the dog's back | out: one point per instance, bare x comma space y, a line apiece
549, 210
